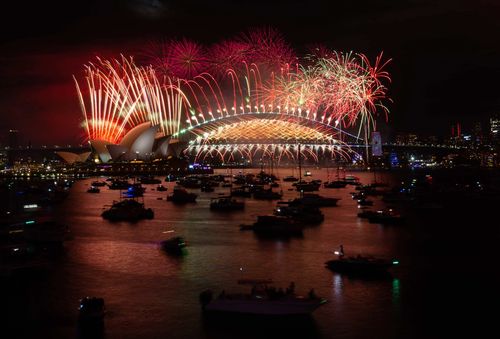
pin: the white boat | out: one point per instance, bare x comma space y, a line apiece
262, 300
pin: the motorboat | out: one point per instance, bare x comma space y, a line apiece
267, 194
128, 209
360, 265
262, 300
161, 188
290, 178
98, 183
312, 199
364, 202
226, 203
173, 245
93, 189
387, 216
335, 184
306, 214
307, 186
147, 180
277, 226
119, 185
134, 191
181, 196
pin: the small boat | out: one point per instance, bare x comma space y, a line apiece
312, 199
207, 188
267, 194
310, 215
277, 226
161, 188
134, 191
91, 310
386, 217
98, 183
127, 209
181, 196
290, 178
119, 185
93, 189
364, 202
147, 180
262, 300
226, 204
307, 186
335, 184
360, 265
173, 245
243, 191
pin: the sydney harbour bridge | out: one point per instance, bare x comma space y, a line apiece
244, 98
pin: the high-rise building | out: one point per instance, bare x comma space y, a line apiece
13, 139
495, 129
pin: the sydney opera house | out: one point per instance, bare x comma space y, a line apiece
144, 142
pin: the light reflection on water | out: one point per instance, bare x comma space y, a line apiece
151, 295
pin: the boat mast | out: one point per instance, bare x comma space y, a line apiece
300, 164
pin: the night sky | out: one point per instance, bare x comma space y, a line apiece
445, 66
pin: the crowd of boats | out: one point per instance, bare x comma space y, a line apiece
29, 235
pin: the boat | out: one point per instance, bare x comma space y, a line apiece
313, 199
98, 183
226, 203
161, 188
307, 186
364, 202
290, 178
335, 184
134, 191
262, 300
93, 189
173, 245
181, 196
304, 214
387, 216
207, 188
307, 173
277, 226
147, 180
119, 185
127, 209
267, 194
360, 265
91, 310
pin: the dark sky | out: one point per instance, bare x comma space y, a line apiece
445, 54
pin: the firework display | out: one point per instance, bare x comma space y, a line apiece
195, 93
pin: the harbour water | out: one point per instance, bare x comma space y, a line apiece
448, 269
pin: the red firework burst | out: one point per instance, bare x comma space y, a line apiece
186, 59
268, 47
229, 54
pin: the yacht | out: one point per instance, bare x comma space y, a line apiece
279, 226
128, 209
173, 245
387, 216
290, 178
312, 199
305, 214
359, 265
226, 204
93, 189
262, 300
181, 196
